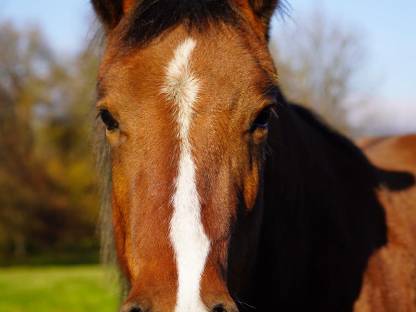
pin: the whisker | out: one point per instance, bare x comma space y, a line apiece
246, 304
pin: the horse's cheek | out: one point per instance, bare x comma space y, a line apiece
251, 186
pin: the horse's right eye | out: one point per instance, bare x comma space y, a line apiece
262, 120
110, 122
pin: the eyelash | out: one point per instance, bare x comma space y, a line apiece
107, 118
263, 118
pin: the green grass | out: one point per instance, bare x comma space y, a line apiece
57, 289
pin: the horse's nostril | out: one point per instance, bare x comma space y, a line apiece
219, 308
131, 308
225, 307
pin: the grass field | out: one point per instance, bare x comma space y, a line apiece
57, 289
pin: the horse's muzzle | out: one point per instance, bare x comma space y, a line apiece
221, 307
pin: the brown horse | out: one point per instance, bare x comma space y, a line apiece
224, 197
390, 281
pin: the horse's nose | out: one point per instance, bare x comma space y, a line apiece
220, 307
224, 307
132, 307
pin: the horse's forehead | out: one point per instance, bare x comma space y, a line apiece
228, 74
217, 55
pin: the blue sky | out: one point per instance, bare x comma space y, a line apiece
389, 29
66, 22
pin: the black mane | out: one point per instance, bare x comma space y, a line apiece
321, 211
152, 18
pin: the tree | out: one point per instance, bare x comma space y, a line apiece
24, 61
319, 63
47, 185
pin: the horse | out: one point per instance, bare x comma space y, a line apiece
389, 283
223, 195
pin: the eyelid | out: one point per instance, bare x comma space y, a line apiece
274, 94
109, 120
272, 105
253, 125
100, 109
103, 105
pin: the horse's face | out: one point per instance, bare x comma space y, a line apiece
186, 116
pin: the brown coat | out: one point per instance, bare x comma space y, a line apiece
390, 281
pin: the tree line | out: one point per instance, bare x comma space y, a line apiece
48, 197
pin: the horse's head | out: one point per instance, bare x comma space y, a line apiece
185, 92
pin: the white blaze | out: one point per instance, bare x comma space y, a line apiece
190, 243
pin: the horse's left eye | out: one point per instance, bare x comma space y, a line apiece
110, 122
262, 120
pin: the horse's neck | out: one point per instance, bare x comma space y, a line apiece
322, 219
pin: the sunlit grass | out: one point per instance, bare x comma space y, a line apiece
57, 289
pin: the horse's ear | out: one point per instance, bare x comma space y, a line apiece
110, 12
263, 11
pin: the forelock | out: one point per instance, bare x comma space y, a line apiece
151, 18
